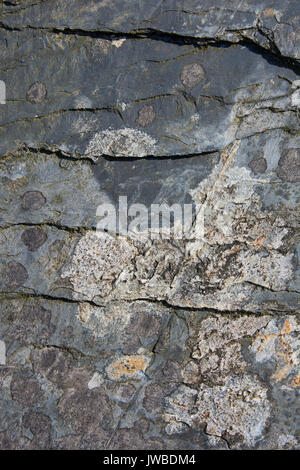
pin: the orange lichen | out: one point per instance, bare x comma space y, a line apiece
258, 242
281, 373
278, 342
296, 381
266, 338
128, 366
286, 328
269, 12
286, 353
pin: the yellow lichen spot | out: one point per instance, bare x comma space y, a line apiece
128, 366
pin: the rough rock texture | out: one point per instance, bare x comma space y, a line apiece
125, 342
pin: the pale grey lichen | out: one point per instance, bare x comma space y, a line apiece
121, 143
218, 331
97, 261
238, 410
217, 350
103, 321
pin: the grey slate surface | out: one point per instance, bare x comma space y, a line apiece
118, 343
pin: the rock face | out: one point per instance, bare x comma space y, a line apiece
129, 340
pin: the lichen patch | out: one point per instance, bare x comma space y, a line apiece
103, 321
126, 367
121, 143
97, 261
279, 341
237, 411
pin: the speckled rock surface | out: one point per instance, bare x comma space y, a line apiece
112, 341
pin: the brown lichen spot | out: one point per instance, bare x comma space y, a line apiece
87, 441
126, 392
36, 93
33, 238
33, 200
15, 274
131, 344
78, 377
146, 116
128, 366
37, 315
258, 165
190, 373
25, 389
154, 398
133, 438
192, 74
85, 410
30, 323
172, 371
144, 325
67, 332
289, 166
12, 438
40, 426
269, 12
50, 363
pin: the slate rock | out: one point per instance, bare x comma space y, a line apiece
126, 336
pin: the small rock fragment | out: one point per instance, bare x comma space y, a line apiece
95, 381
